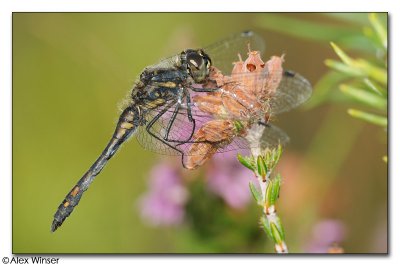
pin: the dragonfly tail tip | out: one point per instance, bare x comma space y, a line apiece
55, 225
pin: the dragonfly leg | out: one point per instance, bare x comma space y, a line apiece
265, 124
173, 118
171, 121
204, 89
154, 120
127, 125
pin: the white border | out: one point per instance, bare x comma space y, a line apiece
7, 7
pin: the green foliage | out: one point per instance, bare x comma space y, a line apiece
370, 76
263, 166
358, 80
246, 161
347, 36
272, 192
256, 194
367, 117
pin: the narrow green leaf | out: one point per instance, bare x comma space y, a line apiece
341, 67
266, 227
354, 18
304, 29
376, 73
276, 235
261, 167
342, 55
365, 97
359, 67
268, 195
276, 186
374, 87
246, 161
256, 193
379, 28
346, 36
280, 228
371, 118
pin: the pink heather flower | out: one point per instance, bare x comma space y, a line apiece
164, 203
325, 234
227, 178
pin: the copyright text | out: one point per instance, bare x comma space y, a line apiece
29, 260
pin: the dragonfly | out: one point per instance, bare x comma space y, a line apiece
165, 118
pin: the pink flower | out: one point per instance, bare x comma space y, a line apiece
227, 178
164, 203
326, 234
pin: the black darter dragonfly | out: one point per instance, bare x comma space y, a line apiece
165, 118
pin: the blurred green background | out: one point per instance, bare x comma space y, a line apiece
72, 70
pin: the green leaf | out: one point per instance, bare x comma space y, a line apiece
379, 28
246, 161
354, 18
342, 55
377, 73
357, 67
267, 227
365, 97
371, 118
261, 167
280, 228
348, 36
374, 87
304, 29
272, 192
276, 234
341, 67
256, 193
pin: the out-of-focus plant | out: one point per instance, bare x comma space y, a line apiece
371, 41
367, 78
354, 80
210, 202
262, 165
326, 237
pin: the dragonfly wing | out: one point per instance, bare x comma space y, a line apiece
271, 137
224, 52
172, 132
293, 90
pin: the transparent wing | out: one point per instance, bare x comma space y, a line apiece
292, 91
224, 52
181, 134
172, 132
273, 136
165, 63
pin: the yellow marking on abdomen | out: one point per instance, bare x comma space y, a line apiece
168, 84
126, 125
120, 133
75, 191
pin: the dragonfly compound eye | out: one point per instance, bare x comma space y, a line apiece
198, 65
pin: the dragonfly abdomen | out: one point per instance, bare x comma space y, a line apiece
128, 123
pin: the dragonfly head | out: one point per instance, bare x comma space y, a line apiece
198, 64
